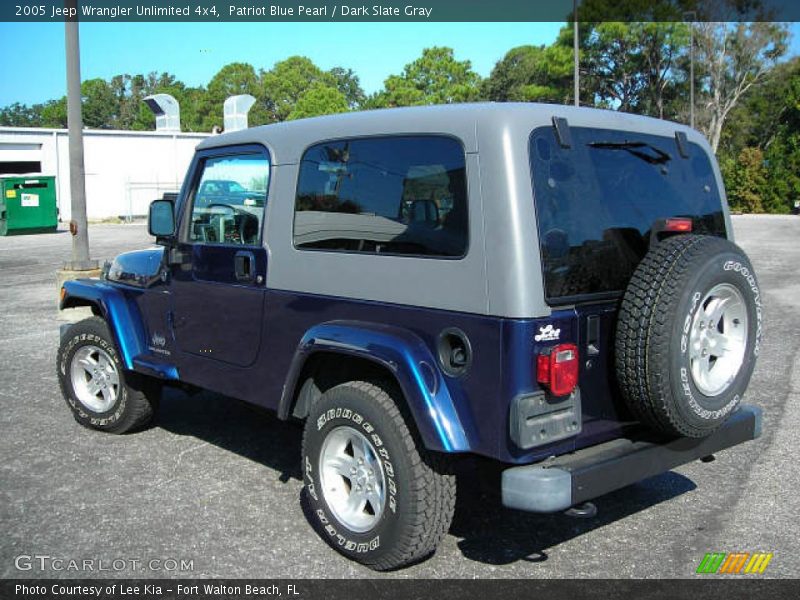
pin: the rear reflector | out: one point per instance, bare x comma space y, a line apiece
558, 369
678, 225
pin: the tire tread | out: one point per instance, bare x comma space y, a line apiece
644, 329
432, 482
143, 392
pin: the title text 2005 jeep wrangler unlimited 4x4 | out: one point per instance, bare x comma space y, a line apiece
550, 287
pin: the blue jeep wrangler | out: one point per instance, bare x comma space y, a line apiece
550, 287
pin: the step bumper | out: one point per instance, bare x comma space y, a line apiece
573, 478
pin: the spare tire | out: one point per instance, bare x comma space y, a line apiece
688, 334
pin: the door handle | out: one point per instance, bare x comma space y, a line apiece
244, 264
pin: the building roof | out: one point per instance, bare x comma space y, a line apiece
108, 132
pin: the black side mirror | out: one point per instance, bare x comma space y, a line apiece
161, 221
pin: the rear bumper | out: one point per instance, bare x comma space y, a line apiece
591, 472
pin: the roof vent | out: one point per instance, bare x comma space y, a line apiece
167, 111
235, 111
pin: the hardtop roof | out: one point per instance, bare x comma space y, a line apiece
468, 122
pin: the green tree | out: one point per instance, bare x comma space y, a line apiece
767, 111
21, 115
54, 113
634, 66
231, 80
745, 180
348, 83
434, 78
284, 84
733, 57
100, 105
319, 99
531, 74
782, 161
614, 66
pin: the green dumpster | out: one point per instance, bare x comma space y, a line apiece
28, 204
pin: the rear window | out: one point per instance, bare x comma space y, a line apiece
390, 195
597, 201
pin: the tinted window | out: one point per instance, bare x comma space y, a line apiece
393, 195
597, 202
228, 204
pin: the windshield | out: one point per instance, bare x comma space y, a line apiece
597, 201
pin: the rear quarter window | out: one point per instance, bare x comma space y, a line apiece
399, 195
597, 202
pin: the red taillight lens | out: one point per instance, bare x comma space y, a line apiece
558, 369
678, 225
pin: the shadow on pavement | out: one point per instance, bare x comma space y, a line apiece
241, 428
488, 532
496, 535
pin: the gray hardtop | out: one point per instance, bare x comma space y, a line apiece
500, 275
469, 122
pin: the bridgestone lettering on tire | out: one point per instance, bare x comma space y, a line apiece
132, 403
688, 334
405, 522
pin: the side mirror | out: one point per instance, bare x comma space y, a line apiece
161, 221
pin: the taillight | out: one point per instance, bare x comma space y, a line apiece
678, 225
558, 369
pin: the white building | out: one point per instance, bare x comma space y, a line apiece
125, 170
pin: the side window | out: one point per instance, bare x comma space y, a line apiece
391, 195
228, 201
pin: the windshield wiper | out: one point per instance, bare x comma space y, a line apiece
660, 157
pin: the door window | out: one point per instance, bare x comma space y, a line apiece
229, 199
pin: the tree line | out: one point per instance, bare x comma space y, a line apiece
747, 99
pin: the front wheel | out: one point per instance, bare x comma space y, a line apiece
97, 390
378, 496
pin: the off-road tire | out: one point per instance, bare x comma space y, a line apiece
653, 328
421, 487
137, 398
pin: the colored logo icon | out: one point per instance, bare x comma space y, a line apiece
734, 563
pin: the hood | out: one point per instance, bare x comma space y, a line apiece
138, 268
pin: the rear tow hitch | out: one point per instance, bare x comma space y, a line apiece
587, 510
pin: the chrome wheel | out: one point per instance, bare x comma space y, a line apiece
718, 339
352, 479
95, 379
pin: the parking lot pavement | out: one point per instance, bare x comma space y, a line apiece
217, 484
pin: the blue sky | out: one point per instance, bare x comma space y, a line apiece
194, 52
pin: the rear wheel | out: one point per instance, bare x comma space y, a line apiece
376, 495
100, 394
688, 334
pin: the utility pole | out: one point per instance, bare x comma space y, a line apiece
77, 179
576, 77
691, 15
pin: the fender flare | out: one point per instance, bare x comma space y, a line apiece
121, 314
410, 361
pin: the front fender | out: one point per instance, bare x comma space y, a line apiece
120, 312
407, 357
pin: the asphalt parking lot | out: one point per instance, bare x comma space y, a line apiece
218, 484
